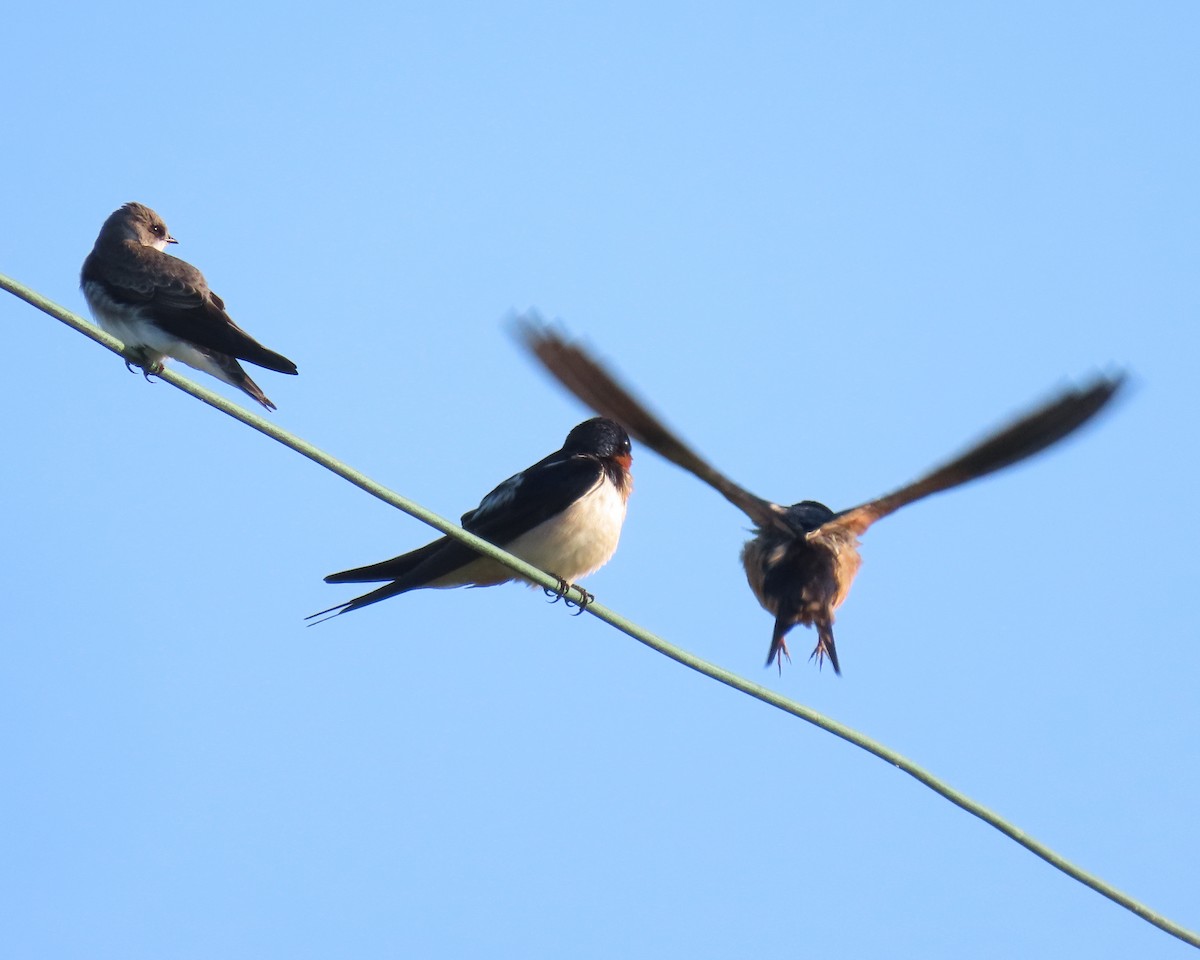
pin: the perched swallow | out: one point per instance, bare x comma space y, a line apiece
803, 558
160, 306
563, 515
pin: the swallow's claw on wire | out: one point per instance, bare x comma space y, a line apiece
557, 593
582, 604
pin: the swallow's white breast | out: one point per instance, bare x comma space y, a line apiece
581, 539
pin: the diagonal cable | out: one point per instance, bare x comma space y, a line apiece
545, 580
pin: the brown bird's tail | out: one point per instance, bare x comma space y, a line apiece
235, 374
779, 649
254, 390
825, 646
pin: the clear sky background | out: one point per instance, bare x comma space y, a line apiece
832, 244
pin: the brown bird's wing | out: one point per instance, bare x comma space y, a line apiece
1023, 438
177, 296
576, 370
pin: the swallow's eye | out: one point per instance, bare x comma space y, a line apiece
157, 229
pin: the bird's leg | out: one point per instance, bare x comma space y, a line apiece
563, 589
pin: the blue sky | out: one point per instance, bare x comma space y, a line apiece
832, 244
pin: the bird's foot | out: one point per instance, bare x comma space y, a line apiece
585, 599
820, 652
781, 654
148, 368
563, 589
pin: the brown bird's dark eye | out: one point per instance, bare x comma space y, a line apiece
157, 228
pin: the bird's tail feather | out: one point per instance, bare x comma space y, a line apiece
779, 647
228, 369
391, 569
825, 647
380, 593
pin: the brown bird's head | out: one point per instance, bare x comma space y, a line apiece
136, 222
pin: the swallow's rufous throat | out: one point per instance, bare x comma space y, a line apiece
563, 515
803, 558
160, 306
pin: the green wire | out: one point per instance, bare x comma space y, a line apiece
635, 631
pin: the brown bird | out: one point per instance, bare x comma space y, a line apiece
803, 558
160, 306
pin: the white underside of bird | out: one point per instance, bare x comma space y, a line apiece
142, 336
572, 544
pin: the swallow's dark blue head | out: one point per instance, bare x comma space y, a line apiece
807, 515
600, 437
